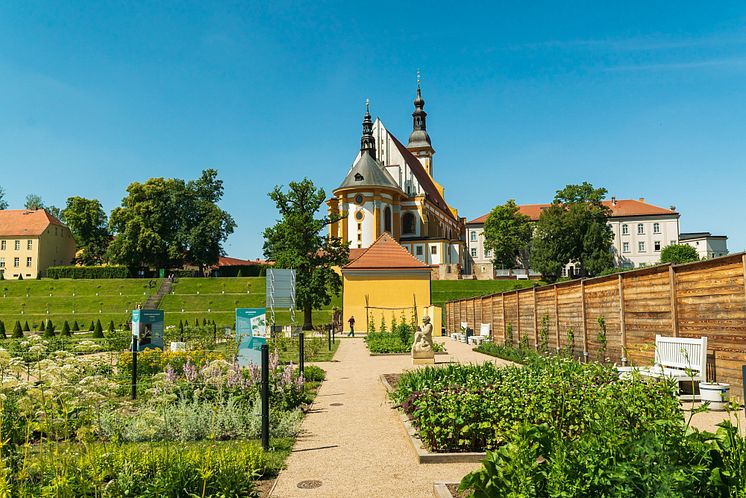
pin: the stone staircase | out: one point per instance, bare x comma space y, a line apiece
155, 300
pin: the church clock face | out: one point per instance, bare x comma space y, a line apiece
358, 199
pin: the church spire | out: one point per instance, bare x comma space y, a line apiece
367, 143
419, 141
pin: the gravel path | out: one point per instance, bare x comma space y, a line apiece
359, 448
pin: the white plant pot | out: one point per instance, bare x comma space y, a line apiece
715, 393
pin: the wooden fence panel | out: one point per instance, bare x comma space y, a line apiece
569, 304
477, 314
527, 315
486, 312
602, 300
546, 315
498, 328
647, 312
511, 315
710, 301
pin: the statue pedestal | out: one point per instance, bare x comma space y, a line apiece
423, 361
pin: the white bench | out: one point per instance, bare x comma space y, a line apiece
484, 334
679, 358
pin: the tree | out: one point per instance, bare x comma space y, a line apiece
66, 329
92, 327
49, 329
3, 202
26, 328
168, 222
98, 331
76, 327
507, 233
296, 242
88, 223
679, 253
17, 331
33, 201
56, 212
2, 330
111, 326
574, 229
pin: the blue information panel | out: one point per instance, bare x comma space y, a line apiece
251, 333
147, 328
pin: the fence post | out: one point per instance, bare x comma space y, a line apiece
622, 326
518, 315
134, 368
329, 336
674, 315
536, 322
556, 316
585, 325
505, 327
301, 351
265, 397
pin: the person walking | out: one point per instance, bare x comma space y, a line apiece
351, 321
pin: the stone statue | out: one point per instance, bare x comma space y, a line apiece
422, 348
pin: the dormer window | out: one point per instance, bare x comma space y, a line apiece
359, 177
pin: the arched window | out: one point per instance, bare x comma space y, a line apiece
387, 219
408, 223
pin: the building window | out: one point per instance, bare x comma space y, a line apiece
359, 226
625, 246
487, 253
419, 250
640, 229
358, 199
2, 245
359, 237
656, 228
387, 219
433, 249
564, 271
473, 236
28, 262
2, 262
18, 245
473, 252
16, 263
657, 245
641, 246
29, 244
359, 216
625, 229
407, 222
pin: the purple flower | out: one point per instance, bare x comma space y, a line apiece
274, 361
287, 376
235, 376
190, 371
170, 373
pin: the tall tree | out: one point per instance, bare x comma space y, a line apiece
574, 229
3, 202
87, 221
507, 233
56, 212
33, 201
168, 222
296, 242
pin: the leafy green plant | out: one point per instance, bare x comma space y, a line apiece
509, 334
602, 339
544, 334
570, 334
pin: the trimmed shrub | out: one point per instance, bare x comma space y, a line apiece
49, 329
26, 327
92, 327
88, 272
17, 330
66, 329
76, 327
20, 277
111, 325
2, 330
98, 331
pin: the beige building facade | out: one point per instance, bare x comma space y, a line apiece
31, 241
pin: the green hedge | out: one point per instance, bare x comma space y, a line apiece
88, 272
245, 271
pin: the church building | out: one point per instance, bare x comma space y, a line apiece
391, 188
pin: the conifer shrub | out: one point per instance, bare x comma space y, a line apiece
49, 329
92, 327
66, 329
2, 330
26, 328
76, 327
17, 330
111, 325
98, 331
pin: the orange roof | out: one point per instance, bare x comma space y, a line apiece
386, 254
620, 208
228, 261
25, 222
356, 252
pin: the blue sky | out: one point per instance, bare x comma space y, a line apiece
647, 99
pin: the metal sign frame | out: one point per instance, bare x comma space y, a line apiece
280, 285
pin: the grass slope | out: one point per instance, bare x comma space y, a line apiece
448, 290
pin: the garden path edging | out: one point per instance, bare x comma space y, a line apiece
425, 456
440, 489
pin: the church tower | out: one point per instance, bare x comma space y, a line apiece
419, 141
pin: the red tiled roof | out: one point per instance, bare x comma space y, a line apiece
355, 253
621, 208
228, 261
386, 254
423, 177
23, 222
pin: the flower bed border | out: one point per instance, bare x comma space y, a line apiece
404, 354
423, 454
440, 489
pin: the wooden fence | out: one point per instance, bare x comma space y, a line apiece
706, 298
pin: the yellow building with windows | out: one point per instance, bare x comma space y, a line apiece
386, 281
31, 241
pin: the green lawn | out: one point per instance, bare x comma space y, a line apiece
448, 290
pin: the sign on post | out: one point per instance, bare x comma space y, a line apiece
251, 333
147, 328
